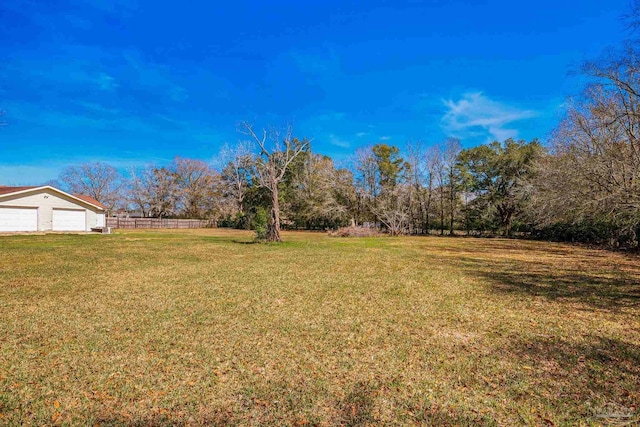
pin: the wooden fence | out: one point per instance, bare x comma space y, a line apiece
158, 223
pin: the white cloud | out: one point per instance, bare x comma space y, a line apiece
338, 142
385, 138
477, 115
361, 134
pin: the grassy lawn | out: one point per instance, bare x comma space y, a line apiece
201, 327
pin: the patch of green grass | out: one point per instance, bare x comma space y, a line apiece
202, 327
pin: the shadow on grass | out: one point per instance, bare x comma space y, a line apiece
246, 242
595, 290
610, 354
303, 404
585, 377
356, 409
595, 278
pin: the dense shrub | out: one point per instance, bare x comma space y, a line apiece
594, 232
260, 223
238, 221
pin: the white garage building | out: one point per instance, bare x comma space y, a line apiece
48, 209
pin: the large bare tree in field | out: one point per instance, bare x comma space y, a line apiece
277, 150
98, 180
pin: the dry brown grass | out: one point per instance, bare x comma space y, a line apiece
355, 232
203, 327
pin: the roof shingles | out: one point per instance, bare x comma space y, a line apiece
9, 190
90, 199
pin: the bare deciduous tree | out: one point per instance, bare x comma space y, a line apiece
415, 179
593, 174
98, 180
235, 174
164, 195
153, 190
450, 158
432, 166
367, 177
139, 187
198, 184
392, 210
596, 164
277, 150
440, 181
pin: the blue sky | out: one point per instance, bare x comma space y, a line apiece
132, 82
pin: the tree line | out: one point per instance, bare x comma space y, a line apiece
273, 180
583, 185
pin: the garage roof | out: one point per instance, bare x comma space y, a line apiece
9, 190
90, 200
6, 191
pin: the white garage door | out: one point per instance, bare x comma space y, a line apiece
68, 220
18, 219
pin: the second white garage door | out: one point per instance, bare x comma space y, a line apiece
69, 220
